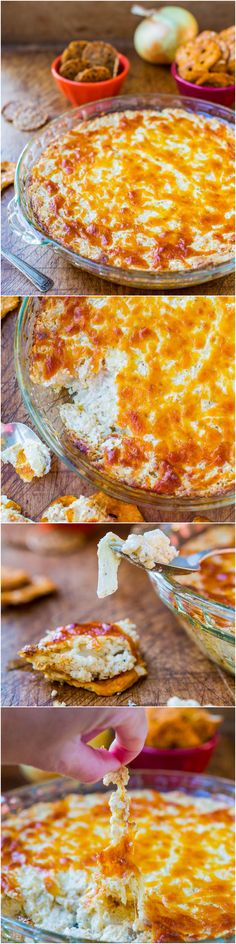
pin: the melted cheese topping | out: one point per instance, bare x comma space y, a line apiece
140, 190
183, 846
151, 386
216, 578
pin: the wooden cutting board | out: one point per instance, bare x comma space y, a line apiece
175, 665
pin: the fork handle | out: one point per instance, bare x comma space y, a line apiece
42, 282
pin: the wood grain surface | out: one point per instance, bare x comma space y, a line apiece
175, 665
59, 22
34, 497
26, 73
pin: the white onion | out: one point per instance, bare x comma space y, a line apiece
158, 36
184, 21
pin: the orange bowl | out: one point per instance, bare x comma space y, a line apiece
79, 93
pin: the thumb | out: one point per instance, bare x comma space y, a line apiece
86, 763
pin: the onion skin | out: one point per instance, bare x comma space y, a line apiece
184, 22
155, 41
157, 37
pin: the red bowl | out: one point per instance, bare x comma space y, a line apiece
79, 93
221, 96
194, 759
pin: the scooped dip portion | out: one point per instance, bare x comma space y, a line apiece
150, 548
30, 460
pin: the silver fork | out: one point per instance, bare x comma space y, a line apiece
180, 565
41, 281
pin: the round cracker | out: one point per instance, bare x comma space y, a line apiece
205, 36
228, 34
197, 57
10, 110
221, 66
231, 67
224, 49
30, 118
208, 52
95, 74
116, 67
216, 79
73, 50
7, 173
70, 68
101, 54
187, 62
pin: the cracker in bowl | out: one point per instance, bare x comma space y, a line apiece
209, 59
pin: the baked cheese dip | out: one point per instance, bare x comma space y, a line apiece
140, 190
215, 579
149, 385
182, 847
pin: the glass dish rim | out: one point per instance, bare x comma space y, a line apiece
111, 486
65, 785
134, 277
218, 609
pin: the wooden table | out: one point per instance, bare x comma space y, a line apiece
26, 73
34, 497
175, 665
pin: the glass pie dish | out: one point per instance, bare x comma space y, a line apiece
25, 226
17, 930
43, 405
210, 625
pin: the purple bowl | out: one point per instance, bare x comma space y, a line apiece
193, 759
207, 93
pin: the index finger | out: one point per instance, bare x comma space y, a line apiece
131, 732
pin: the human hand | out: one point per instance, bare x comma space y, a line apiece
56, 739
